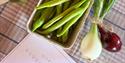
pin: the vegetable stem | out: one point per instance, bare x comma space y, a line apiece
106, 7
97, 6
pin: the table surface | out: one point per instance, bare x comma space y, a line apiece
13, 19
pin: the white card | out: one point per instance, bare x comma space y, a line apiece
37, 50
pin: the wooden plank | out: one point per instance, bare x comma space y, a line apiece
2, 56
11, 31
6, 45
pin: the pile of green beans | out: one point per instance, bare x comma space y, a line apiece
55, 18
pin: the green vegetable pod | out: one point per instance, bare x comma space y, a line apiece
58, 17
52, 14
51, 4
65, 36
38, 23
37, 15
63, 21
66, 5
68, 25
58, 9
75, 19
75, 1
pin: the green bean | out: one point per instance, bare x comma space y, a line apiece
59, 9
55, 19
98, 5
68, 25
59, 38
63, 21
65, 36
38, 23
51, 4
74, 20
47, 13
106, 7
37, 15
52, 14
66, 5
75, 1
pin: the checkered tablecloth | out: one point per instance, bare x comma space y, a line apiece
13, 19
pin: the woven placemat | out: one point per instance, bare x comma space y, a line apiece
13, 19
